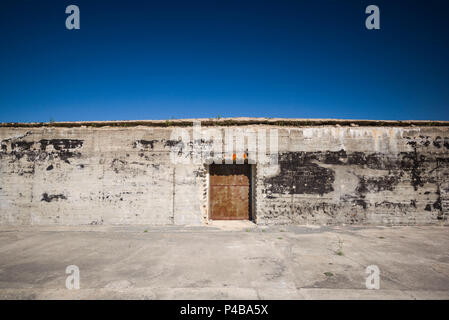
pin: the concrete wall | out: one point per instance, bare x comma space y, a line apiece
325, 175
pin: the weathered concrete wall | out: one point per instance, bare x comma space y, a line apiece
325, 175
374, 175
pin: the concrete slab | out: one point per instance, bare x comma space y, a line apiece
224, 261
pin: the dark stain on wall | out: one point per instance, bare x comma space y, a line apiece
376, 161
172, 143
377, 184
49, 198
61, 144
118, 165
299, 175
203, 142
437, 204
200, 173
302, 173
63, 149
361, 202
22, 145
437, 142
181, 144
414, 162
176, 145
337, 158
145, 144
97, 222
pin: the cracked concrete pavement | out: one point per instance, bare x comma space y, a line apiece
224, 260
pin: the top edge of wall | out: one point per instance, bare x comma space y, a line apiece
232, 122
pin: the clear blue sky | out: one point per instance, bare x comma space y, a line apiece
182, 59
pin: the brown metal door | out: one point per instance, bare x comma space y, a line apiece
229, 191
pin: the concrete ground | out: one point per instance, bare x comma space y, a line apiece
228, 260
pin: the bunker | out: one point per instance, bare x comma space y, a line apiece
189, 172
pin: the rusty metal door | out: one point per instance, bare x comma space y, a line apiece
229, 191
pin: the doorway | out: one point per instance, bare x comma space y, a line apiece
230, 196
